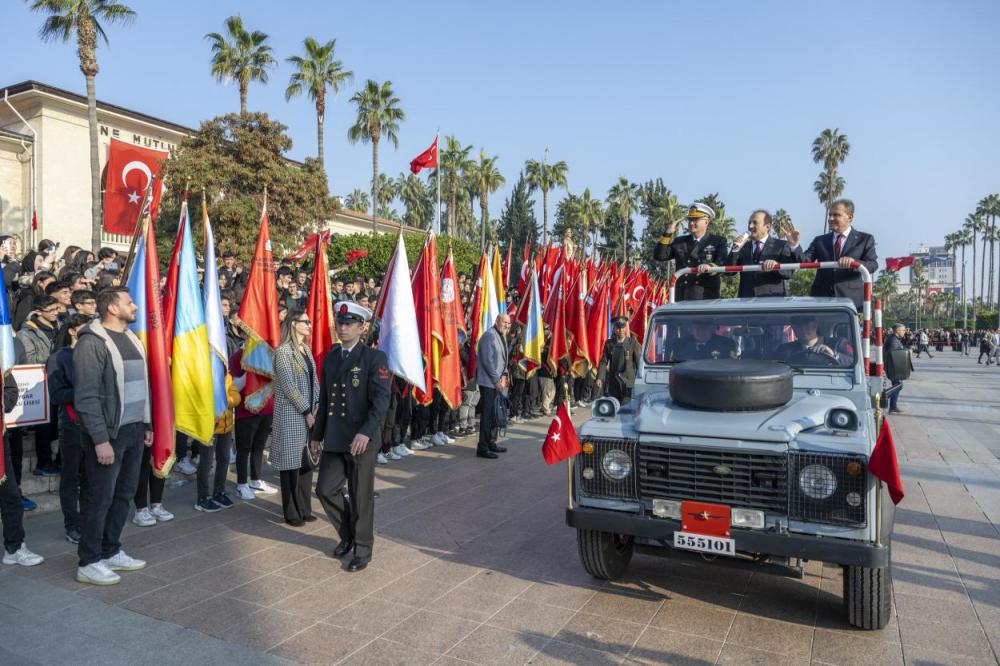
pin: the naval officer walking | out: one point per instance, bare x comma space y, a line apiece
353, 398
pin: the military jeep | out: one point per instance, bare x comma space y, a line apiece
748, 437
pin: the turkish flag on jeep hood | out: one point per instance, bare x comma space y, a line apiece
884, 464
561, 442
129, 171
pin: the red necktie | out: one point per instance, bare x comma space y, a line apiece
838, 246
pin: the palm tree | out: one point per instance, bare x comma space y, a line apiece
83, 18
951, 244
990, 207
830, 149
589, 212
385, 192
418, 205
886, 286
964, 238
379, 116
454, 162
314, 72
243, 56
971, 227
358, 200
487, 179
623, 197
544, 177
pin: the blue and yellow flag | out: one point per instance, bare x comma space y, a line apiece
215, 325
191, 369
534, 331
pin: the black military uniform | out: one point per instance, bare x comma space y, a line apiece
619, 360
353, 399
687, 252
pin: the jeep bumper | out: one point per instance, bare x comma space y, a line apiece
804, 546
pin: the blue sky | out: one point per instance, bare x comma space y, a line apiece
711, 96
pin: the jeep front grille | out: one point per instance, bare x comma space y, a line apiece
736, 478
600, 485
836, 509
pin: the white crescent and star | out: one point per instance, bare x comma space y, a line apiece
133, 196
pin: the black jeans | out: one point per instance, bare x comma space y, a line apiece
15, 444
296, 486
894, 398
150, 487
251, 437
11, 512
487, 431
73, 479
219, 454
111, 490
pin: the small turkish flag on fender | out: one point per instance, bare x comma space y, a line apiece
129, 171
884, 464
561, 442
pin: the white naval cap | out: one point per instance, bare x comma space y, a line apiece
697, 210
349, 311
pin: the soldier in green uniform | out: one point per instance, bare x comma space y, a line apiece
619, 360
353, 399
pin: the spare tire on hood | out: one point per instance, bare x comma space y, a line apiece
731, 385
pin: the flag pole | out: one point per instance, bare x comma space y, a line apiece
569, 471
437, 139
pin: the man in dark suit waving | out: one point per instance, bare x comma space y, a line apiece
759, 247
353, 399
699, 250
844, 245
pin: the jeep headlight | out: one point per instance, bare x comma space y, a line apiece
817, 482
616, 464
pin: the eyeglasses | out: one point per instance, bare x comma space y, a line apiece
303, 321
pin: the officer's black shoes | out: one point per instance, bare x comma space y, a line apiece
486, 454
296, 523
309, 519
344, 548
358, 563
498, 449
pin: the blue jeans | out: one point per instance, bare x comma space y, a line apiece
894, 397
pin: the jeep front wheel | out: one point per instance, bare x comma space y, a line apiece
867, 596
603, 554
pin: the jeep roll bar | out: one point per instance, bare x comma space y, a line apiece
872, 353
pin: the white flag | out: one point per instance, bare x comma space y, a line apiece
398, 335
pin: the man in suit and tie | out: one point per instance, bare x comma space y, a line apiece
491, 376
699, 250
759, 247
353, 399
844, 245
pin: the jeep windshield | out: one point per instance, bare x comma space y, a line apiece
800, 338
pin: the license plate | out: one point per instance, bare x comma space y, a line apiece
704, 543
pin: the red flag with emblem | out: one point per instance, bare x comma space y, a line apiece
561, 441
129, 170
884, 464
426, 159
450, 380
895, 263
430, 325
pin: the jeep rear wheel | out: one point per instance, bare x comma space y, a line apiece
867, 596
603, 554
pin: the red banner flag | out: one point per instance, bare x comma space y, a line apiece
170, 287
318, 307
430, 325
129, 169
426, 159
597, 320
474, 316
308, 245
555, 317
576, 302
450, 380
561, 441
884, 465
895, 263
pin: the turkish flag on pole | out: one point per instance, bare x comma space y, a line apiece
426, 159
130, 168
884, 465
561, 442
895, 263
319, 307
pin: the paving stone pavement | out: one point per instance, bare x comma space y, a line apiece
474, 564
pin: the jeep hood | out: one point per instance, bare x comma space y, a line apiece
659, 415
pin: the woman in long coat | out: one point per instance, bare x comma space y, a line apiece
296, 396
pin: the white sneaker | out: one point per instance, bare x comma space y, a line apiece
438, 439
393, 456
186, 468
161, 514
381, 459
122, 562
244, 492
23, 556
143, 518
447, 439
195, 460
263, 487
97, 573
401, 451
420, 445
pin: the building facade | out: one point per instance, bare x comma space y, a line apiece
937, 266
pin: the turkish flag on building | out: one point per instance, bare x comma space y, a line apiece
561, 442
426, 159
884, 465
130, 168
895, 263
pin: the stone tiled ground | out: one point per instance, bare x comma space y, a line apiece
474, 565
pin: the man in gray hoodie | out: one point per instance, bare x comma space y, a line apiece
111, 399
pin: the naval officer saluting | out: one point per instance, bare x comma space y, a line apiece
353, 398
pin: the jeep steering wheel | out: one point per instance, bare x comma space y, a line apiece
808, 355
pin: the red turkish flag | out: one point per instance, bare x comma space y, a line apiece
884, 465
895, 263
426, 159
561, 442
129, 171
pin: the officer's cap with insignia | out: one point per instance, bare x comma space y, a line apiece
349, 312
700, 210
620, 322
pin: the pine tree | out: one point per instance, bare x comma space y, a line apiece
518, 224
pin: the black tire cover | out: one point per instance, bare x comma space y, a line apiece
730, 385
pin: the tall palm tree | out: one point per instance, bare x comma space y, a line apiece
590, 213
886, 285
971, 227
454, 162
952, 242
316, 71
358, 200
378, 117
418, 206
84, 18
240, 55
543, 176
989, 207
487, 179
830, 149
623, 197
385, 192
963, 239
